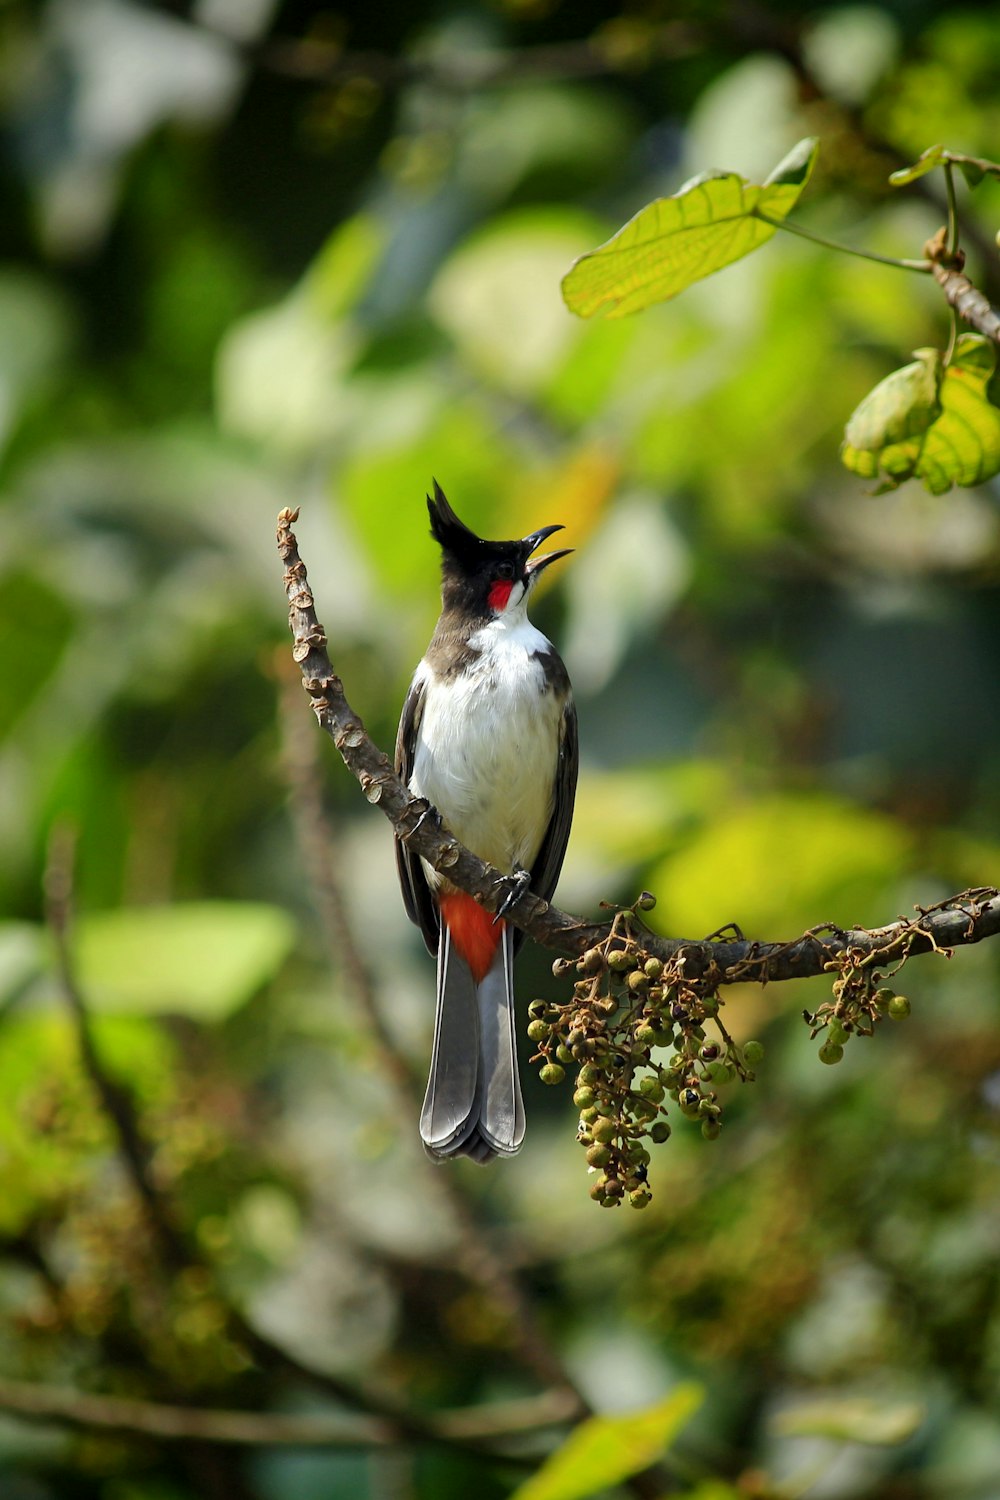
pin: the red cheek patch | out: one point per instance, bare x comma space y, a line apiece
499, 594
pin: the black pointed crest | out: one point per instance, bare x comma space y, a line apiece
450, 533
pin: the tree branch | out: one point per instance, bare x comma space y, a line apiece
969, 302
469, 1428
962, 919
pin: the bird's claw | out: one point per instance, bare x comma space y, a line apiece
516, 885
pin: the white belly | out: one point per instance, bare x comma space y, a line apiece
486, 750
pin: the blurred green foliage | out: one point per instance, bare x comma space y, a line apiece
269, 254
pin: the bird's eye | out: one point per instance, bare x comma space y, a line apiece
505, 570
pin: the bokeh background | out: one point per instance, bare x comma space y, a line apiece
258, 254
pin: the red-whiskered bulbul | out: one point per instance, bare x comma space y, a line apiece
488, 735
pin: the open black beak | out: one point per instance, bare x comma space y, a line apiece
535, 540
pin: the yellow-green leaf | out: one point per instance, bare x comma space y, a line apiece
853, 1419
929, 421
604, 1450
673, 242
933, 157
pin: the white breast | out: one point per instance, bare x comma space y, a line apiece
487, 747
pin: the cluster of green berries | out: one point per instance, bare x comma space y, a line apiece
857, 1006
626, 1006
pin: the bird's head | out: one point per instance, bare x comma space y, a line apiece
485, 578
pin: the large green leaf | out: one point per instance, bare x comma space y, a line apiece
712, 221
929, 421
202, 959
603, 1451
834, 862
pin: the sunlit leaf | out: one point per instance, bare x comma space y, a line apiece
674, 242
202, 959
829, 861
853, 1419
930, 422
901, 406
973, 168
603, 1451
927, 161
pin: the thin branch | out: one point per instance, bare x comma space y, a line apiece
967, 918
625, 49
469, 1428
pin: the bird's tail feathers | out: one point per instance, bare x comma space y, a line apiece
473, 1104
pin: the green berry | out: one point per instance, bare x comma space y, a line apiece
564, 1054
536, 1010
836, 1034
584, 1098
646, 901
711, 1129
640, 1197
588, 1116
620, 961
598, 1155
884, 998
831, 1052
899, 1008
647, 1037
592, 961
660, 1132
653, 968
637, 982
609, 1202
552, 1073
604, 1129
652, 1088
753, 1053
539, 1031
589, 1074
597, 1191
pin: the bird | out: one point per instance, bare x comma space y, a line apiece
488, 736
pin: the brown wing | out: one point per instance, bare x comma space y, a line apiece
548, 862
420, 907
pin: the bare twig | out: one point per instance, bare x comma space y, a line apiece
612, 50
469, 1428
967, 918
